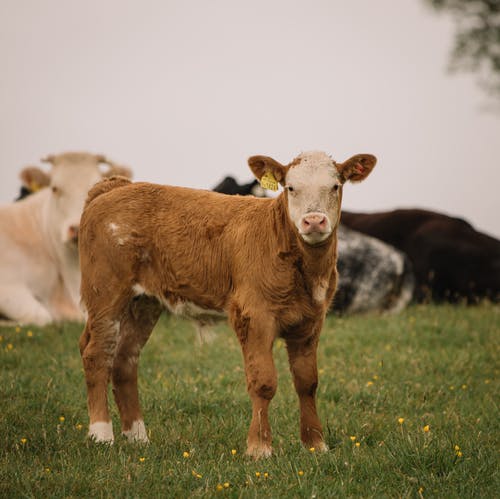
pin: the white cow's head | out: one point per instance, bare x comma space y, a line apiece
71, 177
313, 188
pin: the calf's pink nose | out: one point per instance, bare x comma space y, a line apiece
314, 222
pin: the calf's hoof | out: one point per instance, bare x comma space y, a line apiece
318, 447
259, 451
137, 433
101, 432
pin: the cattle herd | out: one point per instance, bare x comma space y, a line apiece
82, 240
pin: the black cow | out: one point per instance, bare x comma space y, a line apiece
451, 260
230, 186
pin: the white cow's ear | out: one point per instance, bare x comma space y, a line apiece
34, 178
357, 168
264, 164
49, 159
100, 158
114, 170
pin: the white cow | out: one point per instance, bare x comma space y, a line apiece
39, 268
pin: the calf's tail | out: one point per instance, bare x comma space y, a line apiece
104, 186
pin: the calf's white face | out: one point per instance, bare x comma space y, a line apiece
313, 188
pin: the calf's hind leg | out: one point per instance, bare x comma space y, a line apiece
97, 347
135, 328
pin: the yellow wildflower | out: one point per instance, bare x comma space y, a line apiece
142, 459
266, 475
464, 387
29, 334
370, 383
257, 474
300, 473
353, 438
185, 454
401, 420
78, 426
219, 487
312, 449
61, 418
457, 448
226, 485
18, 329
23, 440
357, 444
427, 428
47, 470
459, 453
233, 452
10, 346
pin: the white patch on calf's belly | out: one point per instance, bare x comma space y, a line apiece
193, 311
184, 308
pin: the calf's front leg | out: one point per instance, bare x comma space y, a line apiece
256, 339
303, 365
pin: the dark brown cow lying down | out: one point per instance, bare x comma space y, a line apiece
268, 264
451, 260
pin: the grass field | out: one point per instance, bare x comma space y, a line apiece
409, 405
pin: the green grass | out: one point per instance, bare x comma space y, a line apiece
431, 365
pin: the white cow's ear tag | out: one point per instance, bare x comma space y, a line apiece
267, 181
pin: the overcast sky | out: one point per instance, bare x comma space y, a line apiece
184, 91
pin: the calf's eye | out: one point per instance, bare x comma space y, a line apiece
290, 188
335, 188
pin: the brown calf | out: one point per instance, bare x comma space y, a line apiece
268, 264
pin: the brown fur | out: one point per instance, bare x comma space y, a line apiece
238, 255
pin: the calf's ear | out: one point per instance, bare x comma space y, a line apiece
264, 164
357, 168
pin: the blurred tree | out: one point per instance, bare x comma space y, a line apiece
477, 38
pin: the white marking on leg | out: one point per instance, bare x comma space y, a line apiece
101, 431
137, 432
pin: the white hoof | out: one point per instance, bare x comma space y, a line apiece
137, 432
101, 432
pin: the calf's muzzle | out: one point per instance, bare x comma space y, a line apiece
314, 222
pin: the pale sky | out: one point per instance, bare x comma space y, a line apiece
185, 91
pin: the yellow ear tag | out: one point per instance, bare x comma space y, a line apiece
267, 181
